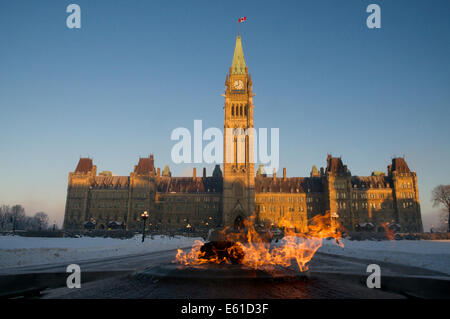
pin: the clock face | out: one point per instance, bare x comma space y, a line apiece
238, 84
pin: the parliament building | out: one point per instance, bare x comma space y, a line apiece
235, 191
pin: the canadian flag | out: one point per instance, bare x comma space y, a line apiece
242, 19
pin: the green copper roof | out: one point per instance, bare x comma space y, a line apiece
238, 65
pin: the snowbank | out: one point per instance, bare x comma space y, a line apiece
429, 254
25, 251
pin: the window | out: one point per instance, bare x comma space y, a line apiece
232, 110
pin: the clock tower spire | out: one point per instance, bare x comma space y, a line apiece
238, 65
238, 174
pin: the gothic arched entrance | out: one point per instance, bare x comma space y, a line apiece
238, 223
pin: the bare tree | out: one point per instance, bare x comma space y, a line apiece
17, 216
14, 218
441, 197
4, 214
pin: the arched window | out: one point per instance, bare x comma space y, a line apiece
240, 110
232, 110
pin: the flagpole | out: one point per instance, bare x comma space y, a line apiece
239, 28
239, 22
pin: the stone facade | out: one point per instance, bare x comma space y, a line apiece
173, 202
199, 203
354, 200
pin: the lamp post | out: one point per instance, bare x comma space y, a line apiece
144, 217
94, 222
188, 227
14, 224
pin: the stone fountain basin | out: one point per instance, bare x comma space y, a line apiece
221, 272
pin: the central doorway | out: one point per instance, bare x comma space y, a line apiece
239, 223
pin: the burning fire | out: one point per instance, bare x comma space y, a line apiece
253, 249
390, 233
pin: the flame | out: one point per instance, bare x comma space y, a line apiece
390, 233
253, 249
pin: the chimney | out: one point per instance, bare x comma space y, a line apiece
204, 172
194, 173
158, 172
284, 173
274, 174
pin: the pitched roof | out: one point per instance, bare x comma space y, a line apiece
84, 165
288, 185
111, 181
399, 165
315, 172
145, 166
374, 181
189, 185
335, 165
238, 64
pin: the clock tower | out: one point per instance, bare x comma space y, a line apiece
238, 171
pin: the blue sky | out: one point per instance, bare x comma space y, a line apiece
115, 89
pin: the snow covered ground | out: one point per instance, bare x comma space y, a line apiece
25, 251
429, 254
